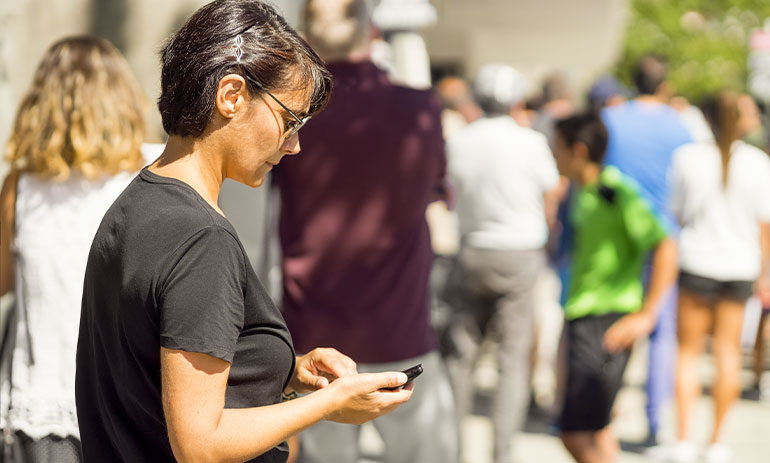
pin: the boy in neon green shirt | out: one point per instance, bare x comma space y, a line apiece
614, 231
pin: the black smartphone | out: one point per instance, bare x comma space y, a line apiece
410, 373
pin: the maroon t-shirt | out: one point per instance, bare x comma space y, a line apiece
356, 246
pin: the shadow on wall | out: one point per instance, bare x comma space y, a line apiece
108, 19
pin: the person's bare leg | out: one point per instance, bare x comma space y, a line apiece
759, 350
694, 319
583, 446
727, 355
608, 444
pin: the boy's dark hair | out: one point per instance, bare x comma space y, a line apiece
649, 73
202, 52
587, 129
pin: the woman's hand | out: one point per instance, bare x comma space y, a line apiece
316, 369
360, 398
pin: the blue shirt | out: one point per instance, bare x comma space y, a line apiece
642, 139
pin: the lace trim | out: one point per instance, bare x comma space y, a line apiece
41, 418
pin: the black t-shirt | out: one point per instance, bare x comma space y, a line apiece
166, 270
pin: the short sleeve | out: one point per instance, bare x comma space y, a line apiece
644, 227
201, 301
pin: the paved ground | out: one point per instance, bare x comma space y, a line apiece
747, 430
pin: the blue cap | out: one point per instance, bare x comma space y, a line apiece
605, 88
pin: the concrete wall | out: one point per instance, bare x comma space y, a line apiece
137, 27
580, 38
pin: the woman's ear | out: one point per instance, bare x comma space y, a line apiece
231, 95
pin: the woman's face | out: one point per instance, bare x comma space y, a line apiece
258, 135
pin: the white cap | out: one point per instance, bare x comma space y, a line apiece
500, 83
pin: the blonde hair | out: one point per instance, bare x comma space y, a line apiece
336, 28
83, 112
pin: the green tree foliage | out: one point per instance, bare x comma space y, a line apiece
706, 41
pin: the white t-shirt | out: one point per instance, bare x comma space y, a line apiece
696, 124
501, 172
720, 226
55, 224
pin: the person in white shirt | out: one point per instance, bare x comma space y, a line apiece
76, 144
721, 197
505, 176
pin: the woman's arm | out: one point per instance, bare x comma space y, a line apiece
202, 430
763, 282
317, 368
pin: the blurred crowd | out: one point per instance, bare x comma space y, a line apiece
487, 226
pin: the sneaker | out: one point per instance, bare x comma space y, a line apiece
717, 453
681, 452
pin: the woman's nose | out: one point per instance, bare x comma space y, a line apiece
291, 145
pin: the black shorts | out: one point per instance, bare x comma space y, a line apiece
713, 290
594, 375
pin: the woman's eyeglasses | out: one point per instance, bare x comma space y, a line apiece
292, 127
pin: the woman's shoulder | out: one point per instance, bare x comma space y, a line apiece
751, 153
751, 162
696, 148
693, 154
170, 202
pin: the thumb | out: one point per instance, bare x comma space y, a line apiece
385, 379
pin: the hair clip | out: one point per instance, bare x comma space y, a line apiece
238, 50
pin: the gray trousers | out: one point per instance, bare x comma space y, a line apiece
423, 430
493, 297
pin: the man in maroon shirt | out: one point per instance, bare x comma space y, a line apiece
356, 246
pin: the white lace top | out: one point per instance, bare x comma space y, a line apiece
55, 224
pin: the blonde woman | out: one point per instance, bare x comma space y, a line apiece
74, 147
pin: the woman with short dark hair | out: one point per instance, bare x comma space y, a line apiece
182, 355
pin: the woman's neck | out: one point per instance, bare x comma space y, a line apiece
188, 160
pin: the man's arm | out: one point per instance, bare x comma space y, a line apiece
628, 329
552, 199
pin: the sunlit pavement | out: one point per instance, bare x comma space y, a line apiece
747, 430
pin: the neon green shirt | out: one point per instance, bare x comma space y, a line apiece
615, 228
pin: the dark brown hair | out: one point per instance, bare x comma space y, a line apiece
585, 128
649, 73
202, 52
